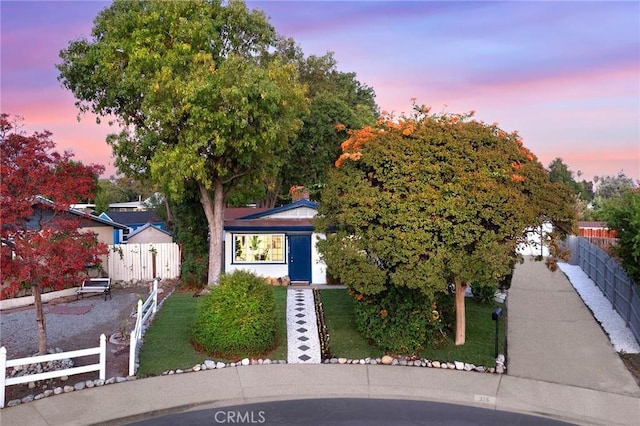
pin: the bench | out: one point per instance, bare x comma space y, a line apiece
95, 285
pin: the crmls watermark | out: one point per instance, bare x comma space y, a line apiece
239, 417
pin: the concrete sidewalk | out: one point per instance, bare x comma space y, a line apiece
553, 337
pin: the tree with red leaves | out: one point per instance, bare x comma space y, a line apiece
43, 245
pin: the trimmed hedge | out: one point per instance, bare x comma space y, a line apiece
238, 318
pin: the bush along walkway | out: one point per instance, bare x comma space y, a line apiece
303, 342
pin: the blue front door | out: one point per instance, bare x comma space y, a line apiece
300, 257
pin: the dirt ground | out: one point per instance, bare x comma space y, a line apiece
117, 363
632, 362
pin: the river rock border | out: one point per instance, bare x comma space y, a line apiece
211, 365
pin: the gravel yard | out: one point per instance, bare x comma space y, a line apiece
71, 324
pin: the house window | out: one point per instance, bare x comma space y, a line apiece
254, 248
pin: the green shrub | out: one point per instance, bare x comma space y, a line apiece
400, 321
194, 271
483, 292
238, 318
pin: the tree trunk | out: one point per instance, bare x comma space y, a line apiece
40, 320
214, 211
460, 313
170, 221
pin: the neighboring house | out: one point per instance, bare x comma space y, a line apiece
595, 230
274, 243
149, 233
104, 228
133, 220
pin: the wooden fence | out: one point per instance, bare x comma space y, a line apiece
610, 278
144, 313
101, 366
143, 261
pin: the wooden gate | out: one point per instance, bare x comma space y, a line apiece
143, 261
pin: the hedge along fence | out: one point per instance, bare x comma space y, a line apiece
610, 278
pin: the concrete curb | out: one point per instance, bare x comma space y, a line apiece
233, 386
20, 302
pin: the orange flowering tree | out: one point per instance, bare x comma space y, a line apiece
420, 202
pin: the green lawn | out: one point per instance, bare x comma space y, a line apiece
167, 342
345, 341
479, 347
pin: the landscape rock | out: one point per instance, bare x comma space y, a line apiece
458, 365
209, 364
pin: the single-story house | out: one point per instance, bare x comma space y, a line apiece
149, 233
105, 229
277, 243
133, 220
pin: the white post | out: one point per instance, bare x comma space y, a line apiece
132, 353
103, 356
138, 329
155, 295
3, 366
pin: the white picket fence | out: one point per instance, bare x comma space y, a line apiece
145, 311
101, 366
143, 261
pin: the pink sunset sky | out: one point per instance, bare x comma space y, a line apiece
566, 75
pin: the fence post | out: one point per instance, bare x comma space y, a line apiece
132, 353
155, 295
138, 329
103, 357
627, 320
3, 366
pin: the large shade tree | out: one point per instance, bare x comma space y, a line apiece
42, 243
418, 203
201, 97
335, 97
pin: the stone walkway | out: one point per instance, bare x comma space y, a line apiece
303, 342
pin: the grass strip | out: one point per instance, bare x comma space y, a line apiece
344, 339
